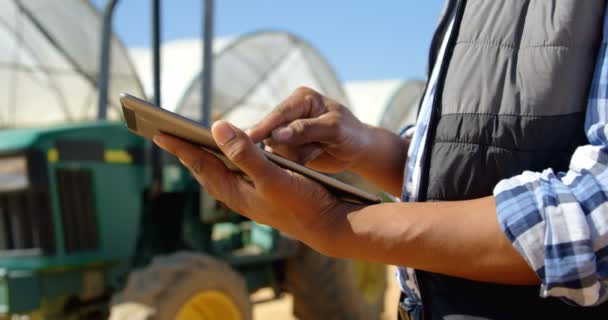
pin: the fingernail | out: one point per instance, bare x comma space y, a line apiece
282, 134
158, 140
223, 133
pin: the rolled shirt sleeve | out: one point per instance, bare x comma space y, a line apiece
559, 223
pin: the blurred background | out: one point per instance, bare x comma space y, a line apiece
96, 223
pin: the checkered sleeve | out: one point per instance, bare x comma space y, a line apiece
559, 221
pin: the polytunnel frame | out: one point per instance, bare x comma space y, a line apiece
31, 52
302, 43
52, 41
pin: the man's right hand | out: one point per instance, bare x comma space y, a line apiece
319, 132
314, 130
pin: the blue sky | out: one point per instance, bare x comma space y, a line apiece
363, 40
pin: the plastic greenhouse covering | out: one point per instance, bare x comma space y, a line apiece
368, 98
255, 72
390, 104
402, 108
49, 52
181, 61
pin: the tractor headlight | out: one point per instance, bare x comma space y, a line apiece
13, 174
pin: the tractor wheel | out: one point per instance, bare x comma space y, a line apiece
183, 286
329, 288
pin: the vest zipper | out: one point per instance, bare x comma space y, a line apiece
430, 135
432, 56
437, 102
440, 32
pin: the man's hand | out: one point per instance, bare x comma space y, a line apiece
276, 197
420, 235
314, 130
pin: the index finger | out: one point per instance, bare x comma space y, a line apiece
300, 104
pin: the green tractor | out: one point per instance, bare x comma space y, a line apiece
97, 223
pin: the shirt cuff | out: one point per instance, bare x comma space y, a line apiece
545, 223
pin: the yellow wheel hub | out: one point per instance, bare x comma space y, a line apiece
369, 279
209, 305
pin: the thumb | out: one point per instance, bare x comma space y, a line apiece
239, 148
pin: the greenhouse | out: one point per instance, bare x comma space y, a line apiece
390, 104
49, 63
49, 70
402, 107
181, 61
252, 74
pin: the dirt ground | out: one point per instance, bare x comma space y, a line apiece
281, 309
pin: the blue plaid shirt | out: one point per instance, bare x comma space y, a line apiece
558, 221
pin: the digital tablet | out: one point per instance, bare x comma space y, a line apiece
147, 120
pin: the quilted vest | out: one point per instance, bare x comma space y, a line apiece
511, 96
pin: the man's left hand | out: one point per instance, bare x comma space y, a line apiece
277, 197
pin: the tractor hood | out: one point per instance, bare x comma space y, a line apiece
13, 140
19, 139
